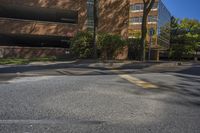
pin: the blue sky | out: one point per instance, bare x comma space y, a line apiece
184, 8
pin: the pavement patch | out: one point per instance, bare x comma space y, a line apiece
29, 79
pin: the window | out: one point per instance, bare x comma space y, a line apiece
140, 7
90, 1
152, 19
164, 21
138, 20
38, 14
137, 7
155, 6
90, 13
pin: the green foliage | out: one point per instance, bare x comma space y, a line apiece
180, 51
21, 61
81, 45
185, 38
110, 45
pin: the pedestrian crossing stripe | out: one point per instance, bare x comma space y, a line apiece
138, 82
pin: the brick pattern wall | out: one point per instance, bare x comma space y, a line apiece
37, 28
32, 27
29, 52
114, 16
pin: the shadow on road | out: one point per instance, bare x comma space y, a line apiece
31, 68
193, 70
188, 87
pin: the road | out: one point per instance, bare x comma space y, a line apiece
101, 101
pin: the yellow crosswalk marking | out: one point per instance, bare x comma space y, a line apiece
138, 82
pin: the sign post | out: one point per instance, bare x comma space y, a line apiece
151, 33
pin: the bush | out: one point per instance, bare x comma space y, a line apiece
181, 51
110, 45
82, 46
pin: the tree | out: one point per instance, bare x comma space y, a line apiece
148, 4
81, 45
185, 38
110, 45
192, 34
174, 28
95, 8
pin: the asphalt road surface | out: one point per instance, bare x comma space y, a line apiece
112, 102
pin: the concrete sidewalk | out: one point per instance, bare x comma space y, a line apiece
119, 64
108, 64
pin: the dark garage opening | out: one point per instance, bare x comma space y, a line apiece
38, 14
34, 40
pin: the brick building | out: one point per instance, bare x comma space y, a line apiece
159, 19
44, 27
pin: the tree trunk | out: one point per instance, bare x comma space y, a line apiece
143, 38
196, 56
95, 29
148, 4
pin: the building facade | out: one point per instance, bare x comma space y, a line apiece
35, 25
159, 19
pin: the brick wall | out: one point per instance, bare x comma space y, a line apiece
40, 28
113, 16
29, 52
